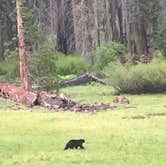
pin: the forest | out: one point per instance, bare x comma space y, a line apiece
71, 37
82, 70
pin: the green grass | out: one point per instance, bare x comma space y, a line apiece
37, 137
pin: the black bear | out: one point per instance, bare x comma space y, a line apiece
75, 144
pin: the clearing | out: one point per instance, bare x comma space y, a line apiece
122, 137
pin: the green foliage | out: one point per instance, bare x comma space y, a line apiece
7, 26
42, 62
143, 10
49, 82
108, 52
32, 28
2, 71
33, 33
42, 66
47, 64
160, 39
142, 78
67, 65
10, 66
158, 56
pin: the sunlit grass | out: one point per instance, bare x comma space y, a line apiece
34, 137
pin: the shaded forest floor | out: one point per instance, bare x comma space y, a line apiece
134, 136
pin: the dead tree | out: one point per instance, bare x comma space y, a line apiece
25, 82
82, 80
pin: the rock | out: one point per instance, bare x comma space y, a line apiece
121, 100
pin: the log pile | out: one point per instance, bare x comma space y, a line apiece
52, 101
90, 108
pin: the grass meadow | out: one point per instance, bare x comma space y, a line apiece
121, 137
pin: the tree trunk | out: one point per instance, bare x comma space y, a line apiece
107, 17
97, 24
76, 27
86, 36
124, 22
141, 43
116, 21
65, 27
1, 42
51, 17
143, 39
25, 82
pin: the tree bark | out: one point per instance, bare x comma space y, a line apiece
65, 27
25, 82
143, 40
107, 17
1, 42
116, 21
82, 80
97, 24
51, 17
86, 36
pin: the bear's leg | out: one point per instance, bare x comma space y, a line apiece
81, 147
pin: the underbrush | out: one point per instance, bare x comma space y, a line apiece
106, 53
67, 65
9, 71
135, 79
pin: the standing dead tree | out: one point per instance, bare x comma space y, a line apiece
21, 94
25, 82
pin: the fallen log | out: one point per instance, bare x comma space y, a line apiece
52, 101
18, 94
81, 80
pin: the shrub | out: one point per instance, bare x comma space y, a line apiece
42, 67
158, 56
50, 82
68, 65
9, 67
48, 60
160, 36
142, 78
47, 64
42, 62
108, 52
2, 71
